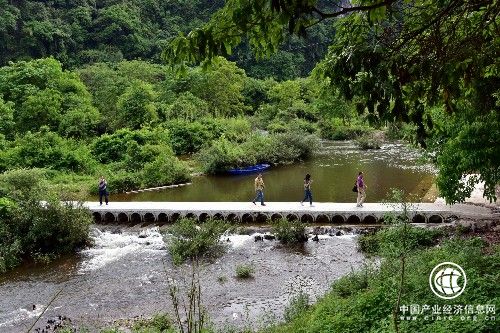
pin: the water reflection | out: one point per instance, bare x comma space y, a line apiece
333, 169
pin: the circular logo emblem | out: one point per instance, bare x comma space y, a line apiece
447, 280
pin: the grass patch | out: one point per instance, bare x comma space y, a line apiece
159, 323
244, 271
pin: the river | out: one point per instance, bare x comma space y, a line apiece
334, 169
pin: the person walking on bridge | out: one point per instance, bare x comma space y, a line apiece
360, 184
103, 190
259, 190
307, 190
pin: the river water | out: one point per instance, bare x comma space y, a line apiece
124, 274
334, 169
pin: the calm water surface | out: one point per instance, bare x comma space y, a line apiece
334, 169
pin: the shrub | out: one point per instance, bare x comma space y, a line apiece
280, 148
114, 147
191, 240
352, 283
10, 247
159, 323
121, 181
165, 169
188, 137
289, 232
223, 155
35, 229
369, 243
368, 141
385, 239
298, 305
46, 149
244, 271
337, 131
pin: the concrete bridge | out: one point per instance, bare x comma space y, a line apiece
246, 212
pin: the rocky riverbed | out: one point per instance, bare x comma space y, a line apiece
125, 273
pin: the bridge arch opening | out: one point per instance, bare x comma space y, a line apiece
174, 217
203, 217
418, 218
135, 218
338, 219
306, 218
276, 217
247, 218
191, 216
261, 218
353, 219
322, 218
149, 217
122, 217
435, 219
162, 218
97, 217
232, 218
369, 219
109, 217
218, 216
292, 217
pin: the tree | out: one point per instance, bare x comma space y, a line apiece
42, 94
136, 106
221, 87
186, 107
7, 124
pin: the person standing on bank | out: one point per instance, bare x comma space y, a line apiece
103, 190
360, 183
259, 190
307, 190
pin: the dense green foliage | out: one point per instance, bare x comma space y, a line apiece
289, 232
34, 229
275, 149
82, 32
129, 120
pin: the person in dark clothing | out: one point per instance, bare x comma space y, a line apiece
307, 190
103, 190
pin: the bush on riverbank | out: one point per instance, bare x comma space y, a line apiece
333, 129
192, 240
289, 232
34, 229
416, 238
281, 148
364, 301
369, 141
